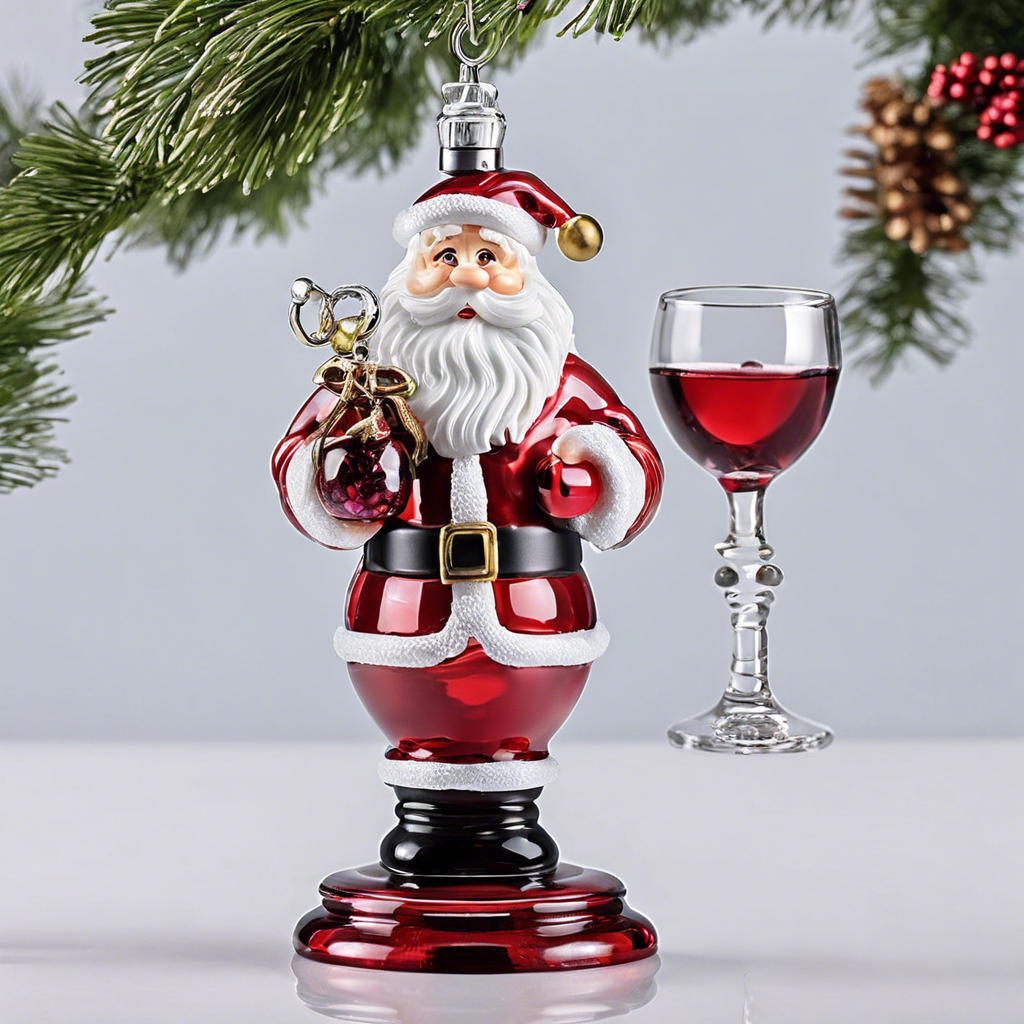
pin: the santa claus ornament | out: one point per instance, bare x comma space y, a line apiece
460, 440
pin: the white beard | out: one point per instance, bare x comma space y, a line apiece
480, 382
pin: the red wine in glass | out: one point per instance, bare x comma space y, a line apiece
744, 423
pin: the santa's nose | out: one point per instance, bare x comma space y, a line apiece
468, 276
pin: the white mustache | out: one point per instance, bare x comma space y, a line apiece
517, 310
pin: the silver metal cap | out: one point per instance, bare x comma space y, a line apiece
470, 126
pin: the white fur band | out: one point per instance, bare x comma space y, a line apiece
623, 483
487, 777
456, 208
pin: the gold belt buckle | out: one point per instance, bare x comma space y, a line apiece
486, 571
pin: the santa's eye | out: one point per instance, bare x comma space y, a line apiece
447, 256
485, 256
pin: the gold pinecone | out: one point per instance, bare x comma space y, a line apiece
914, 186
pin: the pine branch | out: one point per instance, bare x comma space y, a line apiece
945, 28
70, 196
899, 302
30, 396
19, 116
28, 401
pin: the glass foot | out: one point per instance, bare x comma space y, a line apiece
763, 728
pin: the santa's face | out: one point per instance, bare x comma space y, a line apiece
470, 317
465, 260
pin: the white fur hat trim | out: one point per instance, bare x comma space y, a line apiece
457, 208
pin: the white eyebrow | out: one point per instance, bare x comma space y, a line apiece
503, 241
439, 234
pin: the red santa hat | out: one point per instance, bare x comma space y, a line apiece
516, 203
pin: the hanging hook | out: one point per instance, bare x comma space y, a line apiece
354, 330
470, 63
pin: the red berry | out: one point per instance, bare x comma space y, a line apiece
967, 57
1010, 120
986, 77
1004, 140
990, 63
1008, 61
984, 132
957, 90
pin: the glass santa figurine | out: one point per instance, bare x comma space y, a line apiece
470, 626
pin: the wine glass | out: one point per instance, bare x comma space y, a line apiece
744, 379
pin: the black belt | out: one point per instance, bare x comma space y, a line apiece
473, 552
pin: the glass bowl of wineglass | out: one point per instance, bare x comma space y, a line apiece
744, 378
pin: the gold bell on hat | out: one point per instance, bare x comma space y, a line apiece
580, 238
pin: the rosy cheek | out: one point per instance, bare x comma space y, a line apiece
428, 279
506, 282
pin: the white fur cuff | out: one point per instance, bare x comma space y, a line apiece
310, 512
488, 777
623, 482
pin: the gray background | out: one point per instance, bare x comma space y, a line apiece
155, 590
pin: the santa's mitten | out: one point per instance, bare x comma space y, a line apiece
565, 491
623, 485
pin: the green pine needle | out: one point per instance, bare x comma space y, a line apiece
69, 196
30, 395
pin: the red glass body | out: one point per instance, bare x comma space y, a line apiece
744, 424
470, 708
575, 918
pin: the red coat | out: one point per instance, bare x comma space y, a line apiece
400, 606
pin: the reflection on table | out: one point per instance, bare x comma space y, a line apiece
393, 997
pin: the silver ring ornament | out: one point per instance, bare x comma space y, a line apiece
303, 289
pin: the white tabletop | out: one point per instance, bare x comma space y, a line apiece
870, 882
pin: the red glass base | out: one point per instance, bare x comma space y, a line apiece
576, 917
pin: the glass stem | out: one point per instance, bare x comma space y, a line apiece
747, 579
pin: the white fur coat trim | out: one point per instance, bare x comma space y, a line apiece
473, 614
486, 777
